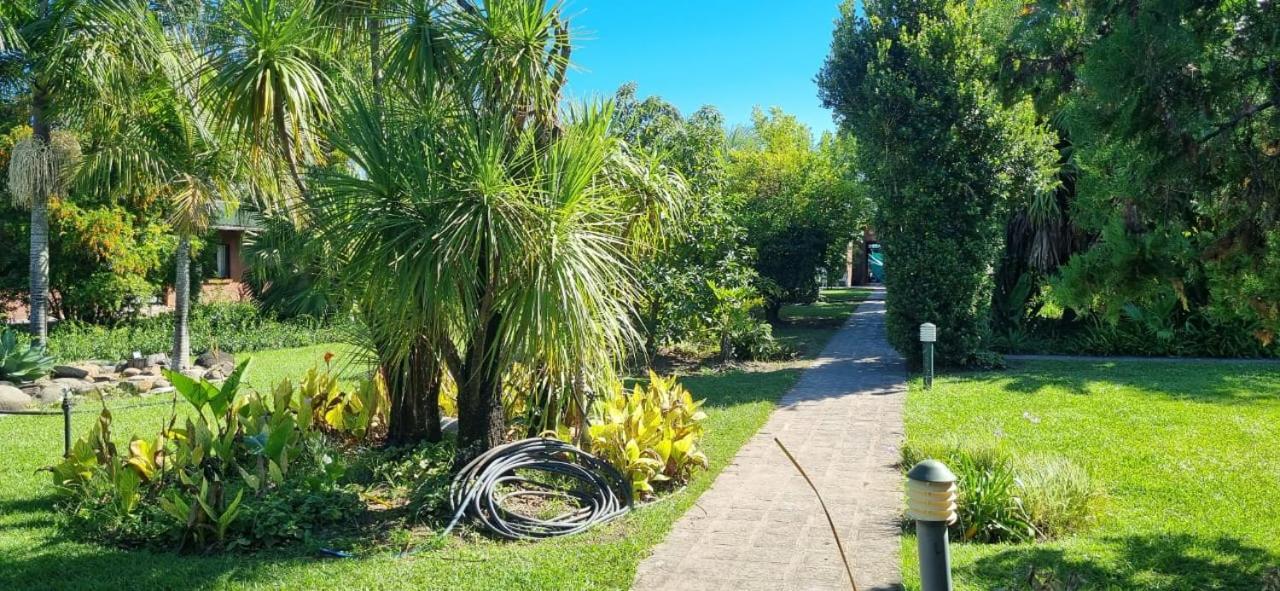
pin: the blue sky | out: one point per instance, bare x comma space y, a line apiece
733, 55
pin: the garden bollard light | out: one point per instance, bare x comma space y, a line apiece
931, 502
928, 336
66, 422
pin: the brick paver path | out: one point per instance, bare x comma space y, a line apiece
760, 527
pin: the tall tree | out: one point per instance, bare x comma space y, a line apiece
163, 142
61, 55
1173, 116
942, 154
481, 226
795, 200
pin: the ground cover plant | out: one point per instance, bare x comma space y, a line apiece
1180, 450
32, 539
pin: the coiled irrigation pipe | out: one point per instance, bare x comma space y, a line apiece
594, 489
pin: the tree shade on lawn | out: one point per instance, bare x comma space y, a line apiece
1183, 451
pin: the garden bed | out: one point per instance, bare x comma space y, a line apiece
1185, 453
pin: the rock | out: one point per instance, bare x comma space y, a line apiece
161, 384
76, 386
31, 388
103, 378
213, 359
194, 373
154, 370
139, 384
130, 372
79, 372
215, 373
9, 384
48, 395
13, 399
155, 359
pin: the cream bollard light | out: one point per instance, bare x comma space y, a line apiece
931, 502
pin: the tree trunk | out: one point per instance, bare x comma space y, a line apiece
481, 423
726, 347
286, 149
415, 397
39, 258
773, 312
651, 338
181, 305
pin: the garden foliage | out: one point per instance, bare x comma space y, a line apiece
19, 360
798, 202
233, 327
678, 304
113, 253
943, 155
1007, 499
651, 434
235, 469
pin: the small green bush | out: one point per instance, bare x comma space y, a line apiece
1002, 499
232, 327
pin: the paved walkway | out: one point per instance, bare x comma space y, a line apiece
760, 527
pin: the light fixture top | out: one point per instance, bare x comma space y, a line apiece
928, 333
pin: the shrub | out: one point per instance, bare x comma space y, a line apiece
755, 342
357, 414
242, 471
942, 182
736, 327
651, 435
1003, 500
19, 361
233, 327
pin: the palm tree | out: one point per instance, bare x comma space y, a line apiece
164, 143
45, 51
270, 80
482, 228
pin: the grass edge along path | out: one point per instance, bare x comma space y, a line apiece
1184, 451
36, 553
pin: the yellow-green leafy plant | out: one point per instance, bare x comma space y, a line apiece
651, 434
357, 413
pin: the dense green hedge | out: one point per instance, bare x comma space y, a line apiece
943, 155
232, 327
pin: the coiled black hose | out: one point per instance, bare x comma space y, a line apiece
596, 490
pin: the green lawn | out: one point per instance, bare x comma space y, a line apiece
1186, 453
35, 553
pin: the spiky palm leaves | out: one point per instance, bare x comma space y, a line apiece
271, 82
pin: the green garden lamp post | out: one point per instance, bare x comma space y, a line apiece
928, 336
931, 502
